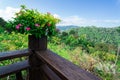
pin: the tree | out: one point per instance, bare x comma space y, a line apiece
118, 29
2, 22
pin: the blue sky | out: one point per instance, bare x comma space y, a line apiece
101, 13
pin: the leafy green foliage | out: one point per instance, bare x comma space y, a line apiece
97, 57
33, 22
12, 41
3, 25
2, 29
2, 22
100, 35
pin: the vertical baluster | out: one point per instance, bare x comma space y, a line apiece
19, 76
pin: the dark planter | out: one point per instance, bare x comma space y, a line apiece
37, 44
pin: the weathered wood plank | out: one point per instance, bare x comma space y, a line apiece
49, 73
13, 54
63, 68
13, 68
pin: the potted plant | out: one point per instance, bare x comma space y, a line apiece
37, 25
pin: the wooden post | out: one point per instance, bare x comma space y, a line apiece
36, 44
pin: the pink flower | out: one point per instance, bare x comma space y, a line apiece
19, 24
27, 28
48, 24
17, 27
37, 25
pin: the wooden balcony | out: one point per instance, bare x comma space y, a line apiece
43, 65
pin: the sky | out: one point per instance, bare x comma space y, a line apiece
100, 13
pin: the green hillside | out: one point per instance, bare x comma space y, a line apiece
94, 49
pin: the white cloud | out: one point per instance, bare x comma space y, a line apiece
111, 21
8, 12
56, 16
72, 20
76, 20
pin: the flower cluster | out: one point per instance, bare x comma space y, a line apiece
32, 22
18, 26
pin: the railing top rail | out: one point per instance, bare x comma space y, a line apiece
64, 68
13, 54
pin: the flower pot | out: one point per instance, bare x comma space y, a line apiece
37, 44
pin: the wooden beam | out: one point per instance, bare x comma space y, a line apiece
49, 73
13, 68
65, 69
13, 54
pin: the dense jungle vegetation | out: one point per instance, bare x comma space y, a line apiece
92, 48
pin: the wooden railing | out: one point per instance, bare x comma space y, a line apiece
43, 65
16, 67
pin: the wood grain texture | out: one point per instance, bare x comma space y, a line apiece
37, 44
13, 54
13, 68
49, 73
35, 70
63, 68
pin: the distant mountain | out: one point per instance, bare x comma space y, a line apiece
66, 27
